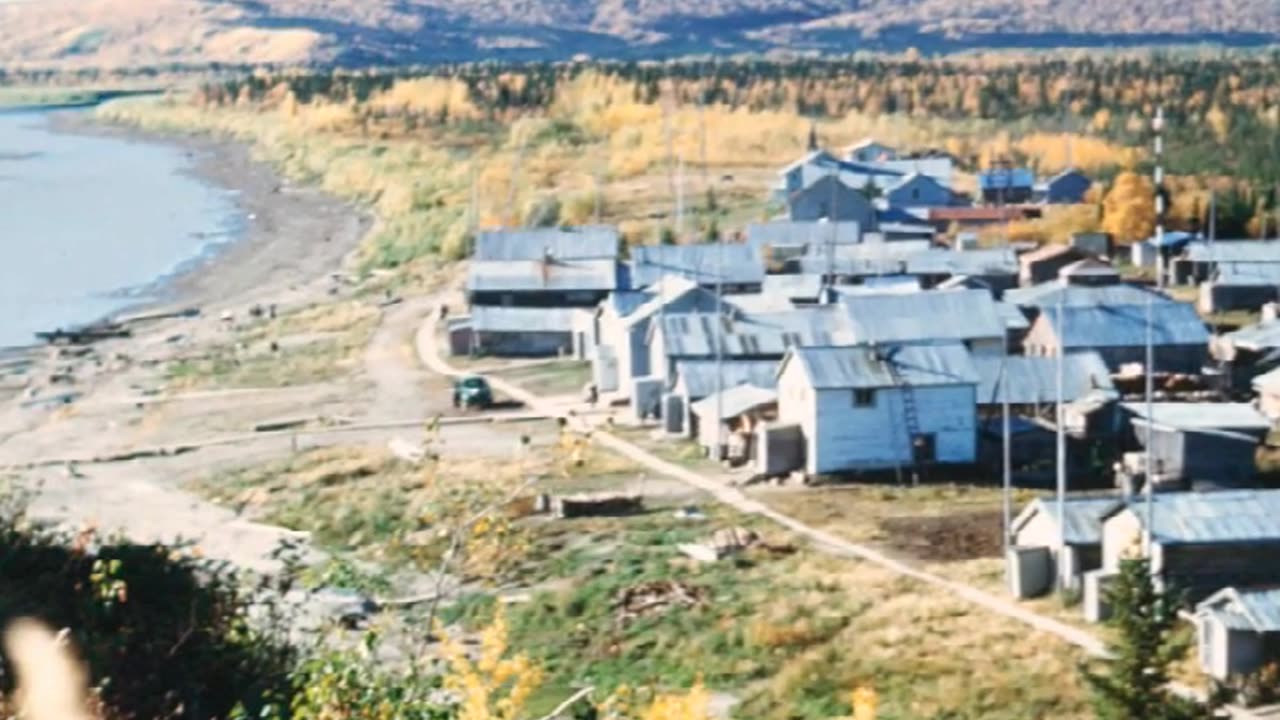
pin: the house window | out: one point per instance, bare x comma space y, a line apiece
864, 397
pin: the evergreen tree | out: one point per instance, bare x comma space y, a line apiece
1134, 683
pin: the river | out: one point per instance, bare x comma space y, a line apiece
90, 224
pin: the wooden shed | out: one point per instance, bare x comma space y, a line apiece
1238, 630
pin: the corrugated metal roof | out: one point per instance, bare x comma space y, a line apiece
1034, 380
866, 367
563, 275
625, 302
1006, 178
1082, 516
1172, 323
730, 263
758, 335
1246, 251
1235, 516
761, 303
584, 243
881, 285
494, 318
1202, 416
938, 315
1262, 336
1046, 295
794, 287
734, 401
797, 233
1255, 609
699, 376
940, 261
1247, 274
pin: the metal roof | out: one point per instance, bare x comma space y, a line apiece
1262, 336
881, 285
495, 318
1172, 323
1002, 178
1046, 295
584, 243
761, 303
937, 315
523, 275
625, 302
1247, 274
1201, 416
734, 401
730, 263
1173, 239
796, 233
866, 367
941, 261
1010, 314
756, 335
699, 376
1235, 516
1244, 251
1256, 609
1034, 380
794, 287
1082, 516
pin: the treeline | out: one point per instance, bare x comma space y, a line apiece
1223, 112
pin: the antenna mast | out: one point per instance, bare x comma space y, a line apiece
1157, 125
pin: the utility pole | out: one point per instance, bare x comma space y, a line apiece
1006, 451
1149, 460
720, 323
1061, 434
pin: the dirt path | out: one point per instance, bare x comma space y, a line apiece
398, 379
430, 354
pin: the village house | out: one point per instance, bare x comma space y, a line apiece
725, 423
1006, 186
1119, 334
1068, 187
518, 332
695, 380
817, 164
551, 268
800, 289
1089, 272
1048, 296
1054, 547
1240, 286
896, 224
831, 198
1199, 258
733, 267
1043, 264
1238, 631
969, 317
1030, 384
624, 319
780, 241
1200, 543
867, 409
1248, 353
994, 268
1203, 445
936, 165
870, 150
1097, 244
918, 191
946, 219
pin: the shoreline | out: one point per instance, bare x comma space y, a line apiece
284, 235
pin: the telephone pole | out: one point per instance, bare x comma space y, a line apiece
1157, 125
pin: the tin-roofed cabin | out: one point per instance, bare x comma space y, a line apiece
1238, 631
545, 267
1036, 564
1119, 334
733, 267
1209, 445
867, 409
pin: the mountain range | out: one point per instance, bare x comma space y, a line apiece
134, 33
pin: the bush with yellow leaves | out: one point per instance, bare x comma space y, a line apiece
494, 685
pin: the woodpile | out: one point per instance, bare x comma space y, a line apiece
653, 598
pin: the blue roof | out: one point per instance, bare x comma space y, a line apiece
1172, 323
585, 243
1174, 239
1047, 295
1241, 251
794, 287
1034, 380
699, 376
1236, 516
1258, 337
803, 233
1082, 515
760, 335
734, 401
730, 263
1247, 274
557, 275
1256, 609
1005, 179
625, 302
937, 315
829, 368
1202, 415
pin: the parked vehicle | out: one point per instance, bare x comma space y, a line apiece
472, 392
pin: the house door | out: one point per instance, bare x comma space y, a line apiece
924, 448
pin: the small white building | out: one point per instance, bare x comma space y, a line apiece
880, 408
1239, 631
1045, 549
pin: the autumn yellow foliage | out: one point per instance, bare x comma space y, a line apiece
495, 685
1129, 211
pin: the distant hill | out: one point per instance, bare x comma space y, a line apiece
115, 33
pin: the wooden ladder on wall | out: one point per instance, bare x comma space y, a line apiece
910, 412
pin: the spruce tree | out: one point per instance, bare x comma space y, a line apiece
1134, 682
